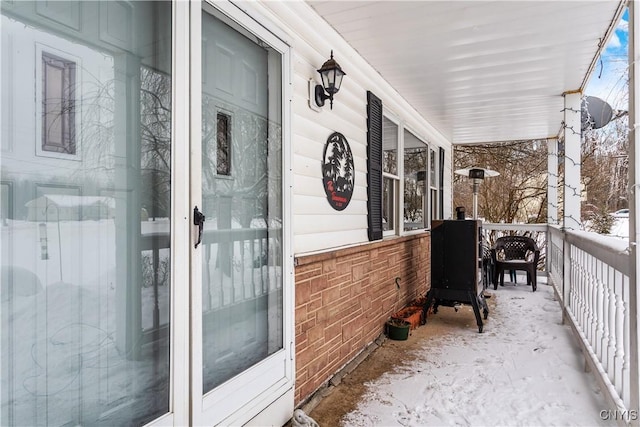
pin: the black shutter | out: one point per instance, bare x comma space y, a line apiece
374, 166
441, 182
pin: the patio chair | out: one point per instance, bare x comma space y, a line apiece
487, 267
515, 253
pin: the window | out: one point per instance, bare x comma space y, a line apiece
223, 139
58, 104
415, 174
404, 176
390, 178
433, 184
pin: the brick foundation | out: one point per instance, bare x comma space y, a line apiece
344, 297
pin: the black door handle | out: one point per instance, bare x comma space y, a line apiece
198, 219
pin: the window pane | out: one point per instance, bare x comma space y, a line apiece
388, 209
85, 256
389, 165
433, 169
433, 184
415, 174
223, 135
58, 105
242, 265
415, 162
434, 204
389, 146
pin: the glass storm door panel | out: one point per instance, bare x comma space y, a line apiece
85, 229
241, 264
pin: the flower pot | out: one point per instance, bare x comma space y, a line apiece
397, 329
412, 314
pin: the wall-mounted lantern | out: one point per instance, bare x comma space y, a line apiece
331, 74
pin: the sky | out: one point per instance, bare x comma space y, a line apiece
608, 80
523, 370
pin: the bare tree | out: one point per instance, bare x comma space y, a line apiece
518, 193
605, 165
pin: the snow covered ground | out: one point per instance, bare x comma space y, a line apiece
524, 369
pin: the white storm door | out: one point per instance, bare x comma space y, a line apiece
240, 349
93, 313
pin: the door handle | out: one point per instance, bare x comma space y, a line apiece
198, 219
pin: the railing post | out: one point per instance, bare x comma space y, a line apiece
566, 275
611, 345
156, 300
548, 251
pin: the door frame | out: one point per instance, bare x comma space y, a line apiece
206, 409
180, 249
179, 356
181, 230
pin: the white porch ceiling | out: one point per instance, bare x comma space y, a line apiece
480, 71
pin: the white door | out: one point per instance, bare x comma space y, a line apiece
87, 228
116, 120
241, 355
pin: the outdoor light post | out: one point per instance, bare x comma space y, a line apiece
477, 175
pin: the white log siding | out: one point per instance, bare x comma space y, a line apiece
316, 225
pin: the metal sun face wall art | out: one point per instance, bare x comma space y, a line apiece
337, 171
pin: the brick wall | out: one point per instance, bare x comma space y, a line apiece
344, 297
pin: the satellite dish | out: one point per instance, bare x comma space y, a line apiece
596, 113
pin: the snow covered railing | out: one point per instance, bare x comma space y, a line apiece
555, 261
158, 244
595, 298
241, 265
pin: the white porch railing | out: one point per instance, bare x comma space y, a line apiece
590, 275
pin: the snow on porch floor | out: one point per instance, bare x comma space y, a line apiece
524, 369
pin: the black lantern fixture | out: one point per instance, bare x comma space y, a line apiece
331, 74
